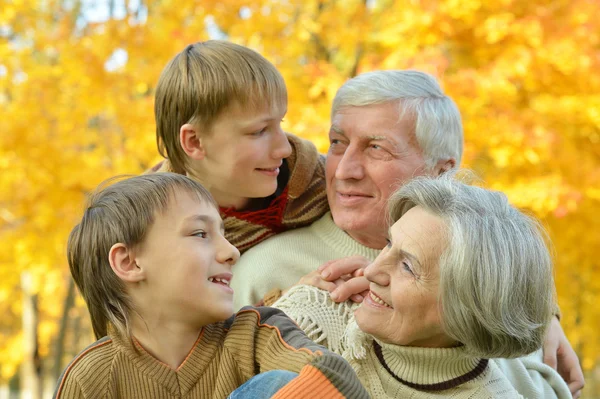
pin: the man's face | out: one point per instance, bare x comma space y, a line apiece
372, 152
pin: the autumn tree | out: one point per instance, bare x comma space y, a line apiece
76, 98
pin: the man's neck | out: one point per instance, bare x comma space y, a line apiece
169, 343
368, 240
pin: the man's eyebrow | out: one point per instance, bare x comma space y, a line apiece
375, 137
203, 218
337, 130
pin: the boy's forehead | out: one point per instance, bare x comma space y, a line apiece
256, 104
187, 201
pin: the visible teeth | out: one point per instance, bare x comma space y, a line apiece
220, 280
378, 300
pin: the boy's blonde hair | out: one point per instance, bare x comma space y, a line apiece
122, 212
201, 82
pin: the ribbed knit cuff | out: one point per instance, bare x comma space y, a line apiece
271, 297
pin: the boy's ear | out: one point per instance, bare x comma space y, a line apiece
123, 263
191, 142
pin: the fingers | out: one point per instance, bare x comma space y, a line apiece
358, 298
551, 343
569, 367
354, 287
314, 279
335, 269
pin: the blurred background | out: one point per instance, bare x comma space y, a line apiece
77, 81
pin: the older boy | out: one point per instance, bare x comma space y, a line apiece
218, 112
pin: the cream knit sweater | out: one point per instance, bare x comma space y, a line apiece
282, 260
392, 371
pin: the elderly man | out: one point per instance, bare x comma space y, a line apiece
386, 127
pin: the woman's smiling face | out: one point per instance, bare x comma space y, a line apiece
402, 307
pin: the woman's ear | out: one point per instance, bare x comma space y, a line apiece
124, 265
191, 142
444, 165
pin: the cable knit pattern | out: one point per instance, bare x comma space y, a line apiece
449, 372
282, 260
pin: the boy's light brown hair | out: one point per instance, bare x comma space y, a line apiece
122, 212
201, 82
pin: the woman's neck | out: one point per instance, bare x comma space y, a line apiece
168, 342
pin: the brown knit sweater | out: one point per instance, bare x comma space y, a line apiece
225, 356
300, 198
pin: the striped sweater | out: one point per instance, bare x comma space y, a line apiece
225, 355
300, 198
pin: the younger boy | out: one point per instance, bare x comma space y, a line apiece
218, 111
151, 261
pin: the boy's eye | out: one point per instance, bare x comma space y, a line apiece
260, 132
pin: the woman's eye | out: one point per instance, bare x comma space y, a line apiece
406, 267
389, 243
201, 234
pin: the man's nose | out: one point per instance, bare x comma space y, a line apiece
350, 166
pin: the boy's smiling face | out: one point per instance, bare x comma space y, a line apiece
242, 153
187, 265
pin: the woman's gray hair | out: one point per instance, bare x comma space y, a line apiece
496, 284
438, 126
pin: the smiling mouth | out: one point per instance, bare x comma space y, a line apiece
378, 300
217, 280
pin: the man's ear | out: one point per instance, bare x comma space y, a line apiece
123, 263
191, 142
443, 165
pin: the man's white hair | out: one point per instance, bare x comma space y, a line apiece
438, 126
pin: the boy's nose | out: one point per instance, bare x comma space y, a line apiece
282, 147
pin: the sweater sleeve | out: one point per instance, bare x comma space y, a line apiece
532, 378
86, 374
68, 388
281, 345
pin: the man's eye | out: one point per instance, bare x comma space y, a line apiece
334, 141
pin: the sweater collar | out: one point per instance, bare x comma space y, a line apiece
428, 369
180, 381
335, 237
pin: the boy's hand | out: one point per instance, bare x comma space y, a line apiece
559, 355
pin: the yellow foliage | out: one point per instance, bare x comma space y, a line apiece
524, 75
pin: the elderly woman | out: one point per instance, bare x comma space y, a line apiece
465, 277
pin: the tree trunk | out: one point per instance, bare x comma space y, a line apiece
31, 387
